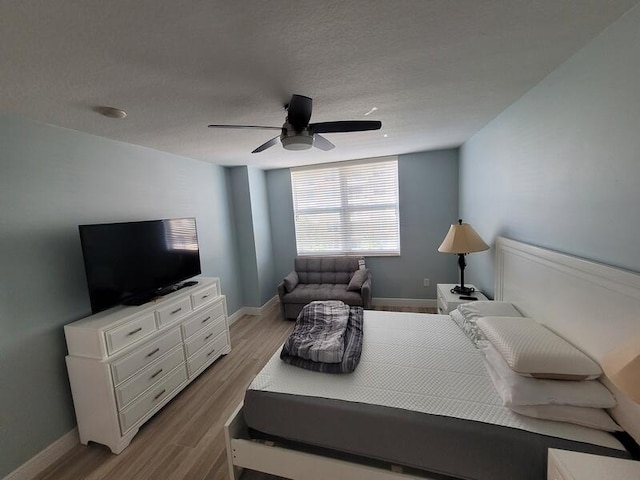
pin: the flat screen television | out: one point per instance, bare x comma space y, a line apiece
131, 263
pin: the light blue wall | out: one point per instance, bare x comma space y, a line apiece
428, 194
251, 218
51, 180
281, 218
560, 168
262, 234
243, 224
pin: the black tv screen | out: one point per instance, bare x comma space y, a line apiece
133, 262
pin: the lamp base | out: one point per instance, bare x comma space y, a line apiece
462, 290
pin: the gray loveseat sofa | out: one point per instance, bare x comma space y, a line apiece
324, 278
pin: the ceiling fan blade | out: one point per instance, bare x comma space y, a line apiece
299, 111
268, 144
322, 143
345, 126
245, 126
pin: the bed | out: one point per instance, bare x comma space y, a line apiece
450, 423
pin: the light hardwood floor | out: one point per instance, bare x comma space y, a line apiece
185, 440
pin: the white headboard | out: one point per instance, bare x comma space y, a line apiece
594, 306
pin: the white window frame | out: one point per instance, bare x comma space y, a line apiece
344, 240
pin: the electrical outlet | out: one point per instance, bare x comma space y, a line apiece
425, 282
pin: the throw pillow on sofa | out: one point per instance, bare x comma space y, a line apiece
357, 280
290, 281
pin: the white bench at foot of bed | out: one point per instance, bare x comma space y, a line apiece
275, 460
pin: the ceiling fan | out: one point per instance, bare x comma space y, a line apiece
298, 134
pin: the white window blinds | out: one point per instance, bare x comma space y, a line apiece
347, 208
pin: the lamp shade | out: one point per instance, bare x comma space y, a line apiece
462, 238
622, 367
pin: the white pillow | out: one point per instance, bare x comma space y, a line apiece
587, 417
515, 389
467, 314
531, 349
469, 328
488, 308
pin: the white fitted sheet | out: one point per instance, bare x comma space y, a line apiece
422, 363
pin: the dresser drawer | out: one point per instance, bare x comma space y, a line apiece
124, 335
205, 295
154, 397
207, 335
172, 312
144, 355
207, 354
144, 379
204, 319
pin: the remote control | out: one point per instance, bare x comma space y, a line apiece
463, 297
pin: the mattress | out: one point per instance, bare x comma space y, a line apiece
420, 397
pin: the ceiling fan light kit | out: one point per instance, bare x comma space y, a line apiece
297, 142
298, 134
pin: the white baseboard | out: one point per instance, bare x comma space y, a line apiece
235, 316
254, 311
405, 302
46, 457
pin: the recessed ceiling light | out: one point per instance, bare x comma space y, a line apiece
385, 135
110, 112
371, 111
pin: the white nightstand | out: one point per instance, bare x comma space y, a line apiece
567, 465
448, 301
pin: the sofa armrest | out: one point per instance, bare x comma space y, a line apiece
365, 291
281, 291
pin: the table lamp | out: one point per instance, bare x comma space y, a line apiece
461, 240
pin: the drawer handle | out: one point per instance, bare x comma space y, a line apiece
211, 352
157, 373
205, 296
208, 336
160, 394
206, 319
176, 311
153, 352
133, 332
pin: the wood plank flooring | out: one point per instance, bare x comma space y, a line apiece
185, 440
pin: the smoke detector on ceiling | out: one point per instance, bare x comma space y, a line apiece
110, 112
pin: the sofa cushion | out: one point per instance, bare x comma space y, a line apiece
308, 292
359, 277
326, 269
290, 281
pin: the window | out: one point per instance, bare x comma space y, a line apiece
347, 208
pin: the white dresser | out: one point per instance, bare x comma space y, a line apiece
126, 363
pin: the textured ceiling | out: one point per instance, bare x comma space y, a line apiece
437, 70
